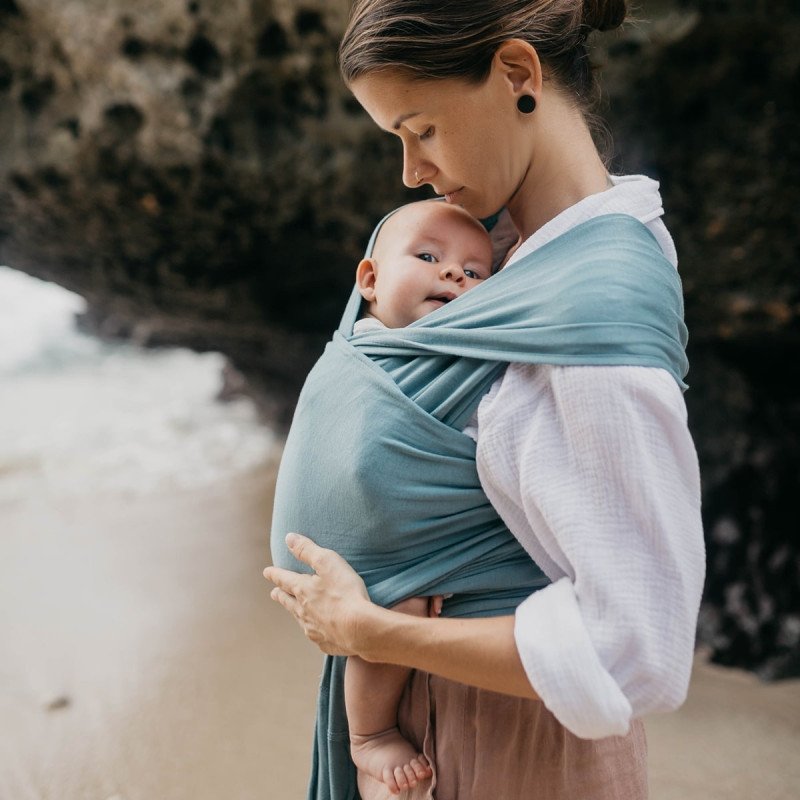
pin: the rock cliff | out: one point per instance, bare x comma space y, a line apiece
196, 170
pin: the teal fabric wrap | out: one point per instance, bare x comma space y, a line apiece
376, 466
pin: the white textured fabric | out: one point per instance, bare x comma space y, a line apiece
367, 324
594, 471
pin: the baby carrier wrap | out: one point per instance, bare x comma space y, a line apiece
376, 466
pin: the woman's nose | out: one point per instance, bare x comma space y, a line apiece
416, 171
415, 174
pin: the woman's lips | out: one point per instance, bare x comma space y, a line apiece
450, 196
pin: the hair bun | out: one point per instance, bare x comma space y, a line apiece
603, 15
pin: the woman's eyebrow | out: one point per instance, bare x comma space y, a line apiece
396, 124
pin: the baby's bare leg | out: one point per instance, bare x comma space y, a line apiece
372, 695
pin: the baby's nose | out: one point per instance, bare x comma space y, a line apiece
453, 272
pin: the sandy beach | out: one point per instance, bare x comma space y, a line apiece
142, 659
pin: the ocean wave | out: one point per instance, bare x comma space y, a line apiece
78, 416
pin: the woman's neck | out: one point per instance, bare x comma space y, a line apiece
565, 167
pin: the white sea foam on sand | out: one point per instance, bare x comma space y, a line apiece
78, 416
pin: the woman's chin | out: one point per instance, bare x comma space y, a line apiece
478, 207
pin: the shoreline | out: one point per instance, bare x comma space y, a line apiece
143, 659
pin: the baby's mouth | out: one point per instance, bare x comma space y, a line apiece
444, 297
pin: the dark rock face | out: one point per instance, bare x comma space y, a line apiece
197, 171
712, 111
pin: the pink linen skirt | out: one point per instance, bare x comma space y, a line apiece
488, 746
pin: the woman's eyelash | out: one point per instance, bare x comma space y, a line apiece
428, 133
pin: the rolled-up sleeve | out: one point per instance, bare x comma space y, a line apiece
595, 472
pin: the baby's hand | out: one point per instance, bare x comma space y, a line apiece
421, 606
435, 604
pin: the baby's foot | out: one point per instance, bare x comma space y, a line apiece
390, 758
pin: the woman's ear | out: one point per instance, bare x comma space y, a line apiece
365, 278
517, 62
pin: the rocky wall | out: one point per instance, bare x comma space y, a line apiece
195, 169
704, 96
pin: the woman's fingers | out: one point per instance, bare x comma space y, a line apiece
288, 601
318, 558
329, 605
336, 576
282, 578
303, 549
295, 608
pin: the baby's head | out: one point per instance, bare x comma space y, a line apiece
425, 255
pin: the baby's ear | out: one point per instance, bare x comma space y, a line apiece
365, 278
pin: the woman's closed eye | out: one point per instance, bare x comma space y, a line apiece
426, 134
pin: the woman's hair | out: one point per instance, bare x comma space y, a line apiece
433, 39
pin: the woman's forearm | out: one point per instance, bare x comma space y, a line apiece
477, 651
333, 608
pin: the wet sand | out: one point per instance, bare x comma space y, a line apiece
152, 620
735, 738
141, 659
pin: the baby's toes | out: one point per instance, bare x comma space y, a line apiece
389, 780
421, 767
410, 775
400, 778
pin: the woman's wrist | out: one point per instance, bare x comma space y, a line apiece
373, 631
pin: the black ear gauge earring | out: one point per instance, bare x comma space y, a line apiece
526, 103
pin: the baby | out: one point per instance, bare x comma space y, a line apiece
426, 254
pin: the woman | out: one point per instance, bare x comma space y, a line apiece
591, 467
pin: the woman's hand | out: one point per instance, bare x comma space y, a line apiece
330, 606
335, 612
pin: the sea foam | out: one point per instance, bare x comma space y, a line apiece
79, 416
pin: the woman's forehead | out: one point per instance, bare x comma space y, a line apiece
392, 98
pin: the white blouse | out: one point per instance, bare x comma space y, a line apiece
594, 471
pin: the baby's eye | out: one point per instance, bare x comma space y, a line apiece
473, 275
429, 257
